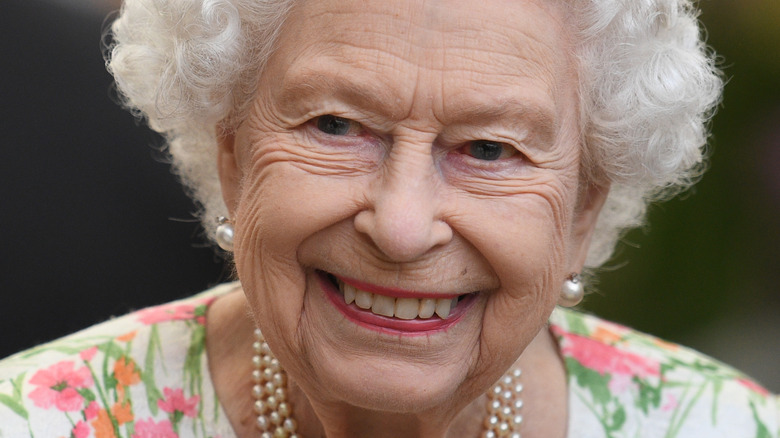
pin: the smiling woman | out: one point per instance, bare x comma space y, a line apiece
411, 187
412, 214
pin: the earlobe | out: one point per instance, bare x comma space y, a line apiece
229, 170
587, 214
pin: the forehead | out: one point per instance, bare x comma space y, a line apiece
435, 55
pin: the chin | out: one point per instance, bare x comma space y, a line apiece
381, 385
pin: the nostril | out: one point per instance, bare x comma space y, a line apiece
363, 221
441, 233
403, 231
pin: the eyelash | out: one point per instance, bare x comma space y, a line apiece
492, 150
330, 121
351, 128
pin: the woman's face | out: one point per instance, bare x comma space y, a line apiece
422, 157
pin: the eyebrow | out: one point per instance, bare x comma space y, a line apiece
538, 119
367, 94
373, 97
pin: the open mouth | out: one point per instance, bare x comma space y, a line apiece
396, 304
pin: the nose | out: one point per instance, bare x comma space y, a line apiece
404, 216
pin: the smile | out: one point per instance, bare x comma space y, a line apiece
396, 310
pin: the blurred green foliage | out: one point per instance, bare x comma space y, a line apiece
704, 272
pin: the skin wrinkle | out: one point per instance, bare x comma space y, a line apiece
413, 272
482, 31
372, 62
509, 222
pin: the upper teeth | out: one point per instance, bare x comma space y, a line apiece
403, 308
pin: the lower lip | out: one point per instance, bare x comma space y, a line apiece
394, 326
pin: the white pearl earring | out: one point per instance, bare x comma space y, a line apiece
572, 291
224, 233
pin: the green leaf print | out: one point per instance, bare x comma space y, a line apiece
717, 386
616, 420
14, 405
70, 347
591, 380
649, 395
761, 429
153, 393
15, 402
192, 363
680, 414
576, 324
87, 394
111, 350
17, 385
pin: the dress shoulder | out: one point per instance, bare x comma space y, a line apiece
623, 383
141, 375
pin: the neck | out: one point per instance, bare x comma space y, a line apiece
341, 420
229, 362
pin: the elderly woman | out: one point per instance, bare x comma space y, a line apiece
408, 189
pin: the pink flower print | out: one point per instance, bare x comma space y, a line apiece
57, 386
150, 429
88, 354
92, 410
606, 358
169, 312
620, 383
80, 430
175, 401
670, 404
753, 386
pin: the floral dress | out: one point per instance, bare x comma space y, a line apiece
145, 375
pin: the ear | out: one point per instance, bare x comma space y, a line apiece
591, 201
230, 172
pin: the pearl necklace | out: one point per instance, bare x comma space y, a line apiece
274, 412
503, 407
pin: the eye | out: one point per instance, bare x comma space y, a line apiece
488, 150
333, 125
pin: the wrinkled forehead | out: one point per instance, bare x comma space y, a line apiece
411, 50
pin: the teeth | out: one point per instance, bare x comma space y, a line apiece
349, 292
427, 307
407, 308
383, 305
402, 308
443, 308
364, 299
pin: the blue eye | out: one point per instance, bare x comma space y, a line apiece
333, 125
487, 150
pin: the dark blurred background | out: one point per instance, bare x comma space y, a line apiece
96, 225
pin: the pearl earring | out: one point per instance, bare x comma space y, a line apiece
572, 291
224, 233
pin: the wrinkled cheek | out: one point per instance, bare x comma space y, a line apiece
265, 256
528, 257
528, 250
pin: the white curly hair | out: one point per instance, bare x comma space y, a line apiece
647, 84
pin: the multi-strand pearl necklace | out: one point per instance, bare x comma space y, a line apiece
503, 407
274, 412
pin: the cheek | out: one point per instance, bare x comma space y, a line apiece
280, 206
282, 202
522, 235
291, 191
523, 238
